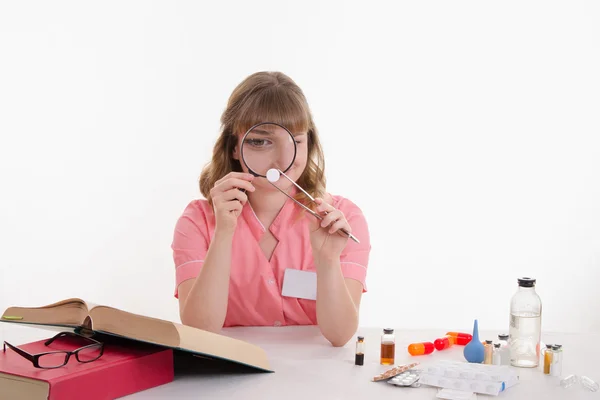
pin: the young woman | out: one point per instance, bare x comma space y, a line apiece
232, 250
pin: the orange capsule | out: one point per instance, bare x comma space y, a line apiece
419, 349
460, 338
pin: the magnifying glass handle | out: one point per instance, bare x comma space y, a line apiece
351, 236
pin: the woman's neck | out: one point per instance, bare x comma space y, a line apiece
267, 205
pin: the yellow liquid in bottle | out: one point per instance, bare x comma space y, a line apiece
547, 362
388, 352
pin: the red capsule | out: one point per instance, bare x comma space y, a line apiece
444, 343
419, 349
460, 338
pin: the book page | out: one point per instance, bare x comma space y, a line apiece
134, 326
16, 387
71, 312
153, 330
91, 306
205, 342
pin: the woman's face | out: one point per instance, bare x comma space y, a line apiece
270, 146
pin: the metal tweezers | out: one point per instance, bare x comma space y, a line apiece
351, 236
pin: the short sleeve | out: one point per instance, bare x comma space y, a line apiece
355, 257
190, 243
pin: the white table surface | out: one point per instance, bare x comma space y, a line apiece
308, 367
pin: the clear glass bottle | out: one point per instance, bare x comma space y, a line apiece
497, 356
503, 339
359, 358
488, 352
525, 325
556, 367
548, 358
388, 347
504, 349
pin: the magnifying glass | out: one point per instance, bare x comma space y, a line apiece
268, 145
269, 151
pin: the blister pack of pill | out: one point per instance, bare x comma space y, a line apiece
390, 373
470, 377
408, 378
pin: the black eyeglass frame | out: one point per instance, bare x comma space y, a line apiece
34, 358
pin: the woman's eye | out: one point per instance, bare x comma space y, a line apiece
258, 142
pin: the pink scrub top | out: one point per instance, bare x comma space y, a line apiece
255, 283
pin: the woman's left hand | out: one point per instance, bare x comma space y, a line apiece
326, 239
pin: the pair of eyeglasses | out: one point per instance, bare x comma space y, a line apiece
57, 359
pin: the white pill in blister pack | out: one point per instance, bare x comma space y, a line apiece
408, 378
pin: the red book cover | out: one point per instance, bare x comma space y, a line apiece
124, 368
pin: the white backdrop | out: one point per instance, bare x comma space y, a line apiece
467, 131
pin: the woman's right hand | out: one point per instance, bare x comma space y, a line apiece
228, 199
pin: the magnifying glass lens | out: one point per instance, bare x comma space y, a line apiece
268, 146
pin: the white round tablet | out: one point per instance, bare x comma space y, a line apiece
273, 175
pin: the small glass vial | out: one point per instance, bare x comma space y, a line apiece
503, 339
504, 349
556, 366
359, 358
488, 352
388, 347
548, 359
497, 357
589, 384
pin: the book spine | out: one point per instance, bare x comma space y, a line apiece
117, 380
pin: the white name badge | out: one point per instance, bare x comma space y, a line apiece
299, 284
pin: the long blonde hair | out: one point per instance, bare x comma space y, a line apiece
266, 97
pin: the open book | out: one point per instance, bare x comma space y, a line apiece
76, 313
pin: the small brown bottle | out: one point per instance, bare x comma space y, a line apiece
388, 347
359, 358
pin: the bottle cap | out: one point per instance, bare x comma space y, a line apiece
526, 282
548, 346
556, 346
497, 345
388, 330
488, 341
361, 338
503, 336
